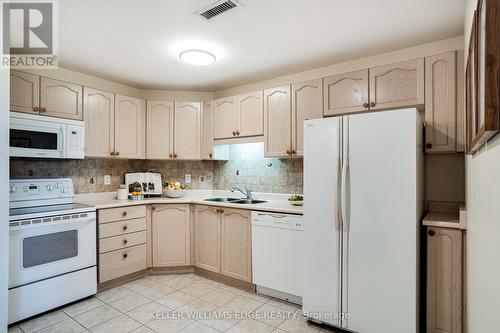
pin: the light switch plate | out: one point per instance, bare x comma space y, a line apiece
188, 178
107, 179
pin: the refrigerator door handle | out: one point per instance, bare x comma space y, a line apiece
344, 195
338, 216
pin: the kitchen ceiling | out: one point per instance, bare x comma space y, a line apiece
138, 42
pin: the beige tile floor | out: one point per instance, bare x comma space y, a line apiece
184, 303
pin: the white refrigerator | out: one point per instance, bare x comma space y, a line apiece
363, 201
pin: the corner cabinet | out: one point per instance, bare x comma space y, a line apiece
440, 103
223, 242
171, 235
346, 93
236, 260
307, 103
444, 280
397, 85
129, 127
24, 92
160, 130
99, 116
207, 229
277, 122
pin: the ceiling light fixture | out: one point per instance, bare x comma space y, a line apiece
197, 57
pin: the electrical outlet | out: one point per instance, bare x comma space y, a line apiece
107, 179
202, 179
188, 178
91, 180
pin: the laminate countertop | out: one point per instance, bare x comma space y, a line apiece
277, 203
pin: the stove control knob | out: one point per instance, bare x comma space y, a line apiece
50, 187
25, 188
12, 188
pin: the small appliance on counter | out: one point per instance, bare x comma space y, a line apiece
149, 182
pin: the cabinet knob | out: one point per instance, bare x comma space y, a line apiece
366, 105
125, 228
175, 155
36, 109
372, 104
125, 242
124, 214
293, 152
112, 153
125, 256
170, 155
288, 152
431, 232
234, 133
117, 153
237, 132
210, 155
428, 146
43, 110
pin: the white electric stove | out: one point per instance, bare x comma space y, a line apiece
52, 240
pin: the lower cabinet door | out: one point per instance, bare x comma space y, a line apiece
118, 263
171, 235
236, 244
444, 280
207, 224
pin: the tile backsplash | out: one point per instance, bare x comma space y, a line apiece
246, 166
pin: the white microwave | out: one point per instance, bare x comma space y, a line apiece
38, 136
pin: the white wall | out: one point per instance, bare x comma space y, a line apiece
4, 203
483, 233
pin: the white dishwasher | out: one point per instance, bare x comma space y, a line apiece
276, 255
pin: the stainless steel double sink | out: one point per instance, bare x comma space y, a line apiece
235, 200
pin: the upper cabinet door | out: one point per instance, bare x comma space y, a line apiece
207, 224
60, 99
346, 93
440, 103
236, 260
277, 122
187, 132
99, 116
307, 103
207, 142
397, 85
24, 92
226, 118
160, 130
129, 127
250, 114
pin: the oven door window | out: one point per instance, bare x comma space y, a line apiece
44, 249
33, 139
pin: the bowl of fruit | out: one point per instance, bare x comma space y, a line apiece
174, 189
296, 200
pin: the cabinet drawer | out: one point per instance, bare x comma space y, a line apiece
121, 228
122, 241
122, 262
122, 213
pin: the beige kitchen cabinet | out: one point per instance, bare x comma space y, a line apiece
207, 136
60, 99
129, 127
277, 122
346, 93
397, 85
226, 118
207, 247
307, 103
444, 280
160, 130
187, 130
99, 116
440, 103
24, 92
460, 75
171, 235
236, 259
250, 114
122, 241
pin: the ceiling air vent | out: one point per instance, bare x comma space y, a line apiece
217, 8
